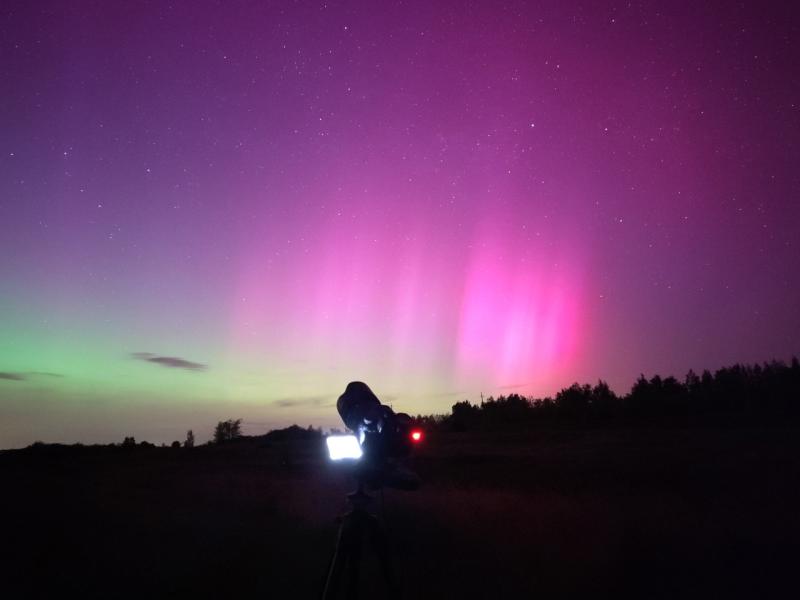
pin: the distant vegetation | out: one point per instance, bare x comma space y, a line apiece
767, 393
293, 433
227, 431
742, 393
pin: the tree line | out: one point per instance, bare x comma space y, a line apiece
768, 392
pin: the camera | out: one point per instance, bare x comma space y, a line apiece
381, 439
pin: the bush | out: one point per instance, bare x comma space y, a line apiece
227, 431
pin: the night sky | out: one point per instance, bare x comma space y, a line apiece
222, 210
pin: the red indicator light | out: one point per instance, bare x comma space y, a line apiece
416, 435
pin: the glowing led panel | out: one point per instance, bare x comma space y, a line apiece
343, 446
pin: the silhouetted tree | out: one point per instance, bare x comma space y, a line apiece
464, 415
636, 401
604, 401
176, 444
574, 401
129, 442
692, 384
544, 408
189, 442
505, 411
227, 431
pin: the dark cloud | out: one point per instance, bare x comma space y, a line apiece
512, 386
448, 394
170, 361
307, 401
27, 375
12, 376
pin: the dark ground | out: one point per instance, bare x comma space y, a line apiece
648, 513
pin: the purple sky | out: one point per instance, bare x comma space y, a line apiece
441, 199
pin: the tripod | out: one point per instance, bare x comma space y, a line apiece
355, 525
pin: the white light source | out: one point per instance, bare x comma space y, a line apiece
343, 446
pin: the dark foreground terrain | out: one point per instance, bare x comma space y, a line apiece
647, 513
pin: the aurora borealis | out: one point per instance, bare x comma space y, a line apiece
219, 210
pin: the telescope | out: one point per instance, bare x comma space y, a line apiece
380, 440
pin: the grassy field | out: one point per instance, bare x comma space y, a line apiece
648, 513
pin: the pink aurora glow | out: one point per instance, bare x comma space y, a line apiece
442, 199
486, 318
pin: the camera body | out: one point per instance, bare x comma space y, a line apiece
385, 437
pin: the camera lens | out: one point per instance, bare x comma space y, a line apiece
358, 404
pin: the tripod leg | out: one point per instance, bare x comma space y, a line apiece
380, 544
346, 559
354, 535
332, 582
